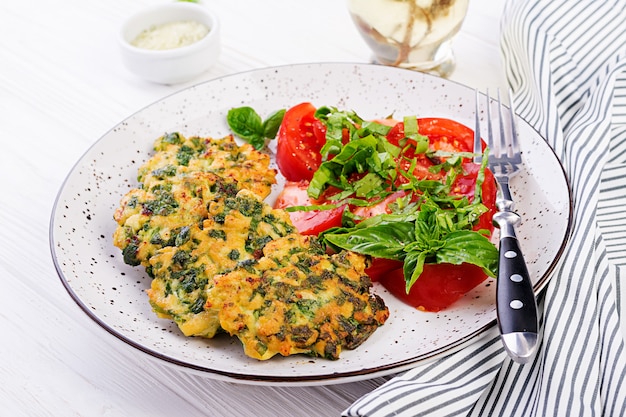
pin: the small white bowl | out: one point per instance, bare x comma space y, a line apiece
170, 66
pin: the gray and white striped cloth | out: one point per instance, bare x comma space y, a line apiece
566, 64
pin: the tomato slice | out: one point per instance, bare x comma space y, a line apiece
307, 222
378, 208
438, 287
446, 134
300, 138
380, 267
443, 134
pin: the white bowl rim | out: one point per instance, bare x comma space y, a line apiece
211, 37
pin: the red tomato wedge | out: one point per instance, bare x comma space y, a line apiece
439, 285
380, 267
300, 139
447, 135
307, 222
443, 134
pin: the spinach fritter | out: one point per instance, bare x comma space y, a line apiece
222, 260
176, 154
175, 186
297, 299
234, 233
150, 218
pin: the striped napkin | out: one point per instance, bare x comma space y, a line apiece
566, 64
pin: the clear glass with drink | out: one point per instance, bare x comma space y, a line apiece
414, 34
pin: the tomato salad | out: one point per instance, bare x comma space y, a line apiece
405, 193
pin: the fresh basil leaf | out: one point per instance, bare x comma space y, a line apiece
322, 112
410, 126
408, 215
376, 128
272, 124
325, 175
369, 186
332, 146
381, 241
335, 123
352, 158
411, 131
366, 144
466, 246
321, 207
246, 123
413, 267
480, 178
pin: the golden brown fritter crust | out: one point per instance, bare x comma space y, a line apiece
177, 183
150, 218
176, 154
234, 233
297, 299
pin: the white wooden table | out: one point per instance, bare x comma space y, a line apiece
62, 86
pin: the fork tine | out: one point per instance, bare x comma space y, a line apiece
515, 149
494, 145
503, 145
477, 137
503, 136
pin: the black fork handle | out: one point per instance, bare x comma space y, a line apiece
516, 305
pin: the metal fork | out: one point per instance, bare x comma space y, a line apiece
515, 299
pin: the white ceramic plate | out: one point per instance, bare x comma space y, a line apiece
112, 293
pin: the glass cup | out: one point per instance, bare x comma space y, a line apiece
414, 34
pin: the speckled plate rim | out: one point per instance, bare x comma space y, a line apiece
325, 377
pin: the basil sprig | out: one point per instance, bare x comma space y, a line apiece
247, 124
426, 232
